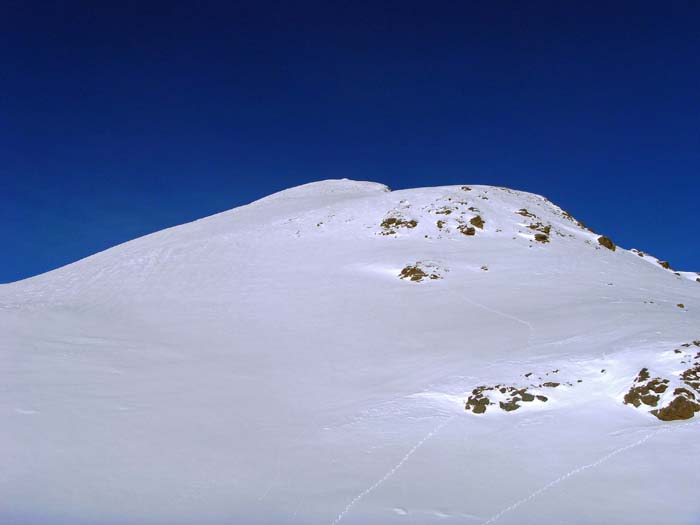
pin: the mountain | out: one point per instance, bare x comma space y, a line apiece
342, 353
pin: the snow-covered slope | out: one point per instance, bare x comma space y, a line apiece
270, 365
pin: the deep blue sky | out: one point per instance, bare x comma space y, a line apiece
119, 119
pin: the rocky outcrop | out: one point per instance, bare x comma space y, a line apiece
607, 243
391, 224
652, 392
420, 271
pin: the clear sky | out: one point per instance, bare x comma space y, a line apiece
118, 119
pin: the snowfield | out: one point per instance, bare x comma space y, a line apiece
339, 353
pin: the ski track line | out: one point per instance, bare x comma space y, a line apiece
502, 314
577, 470
393, 470
530, 328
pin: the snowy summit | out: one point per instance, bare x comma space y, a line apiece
339, 353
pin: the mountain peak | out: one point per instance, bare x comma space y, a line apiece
328, 187
342, 352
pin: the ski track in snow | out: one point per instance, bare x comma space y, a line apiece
393, 470
529, 326
503, 314
573, 472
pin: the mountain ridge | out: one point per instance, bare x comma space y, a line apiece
336, 191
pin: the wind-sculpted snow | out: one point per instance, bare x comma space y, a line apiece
324, 354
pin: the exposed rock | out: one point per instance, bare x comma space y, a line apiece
685, 391
525, 213
541, 237
467, 230
479, 399
526, 396
478, 222
665, 264
570, 217
607, 243
538, 226
416, 274
391, 224
679, 409
478, 402
691, 377
509, 405
645, 390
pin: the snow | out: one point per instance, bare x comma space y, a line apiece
268, 365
